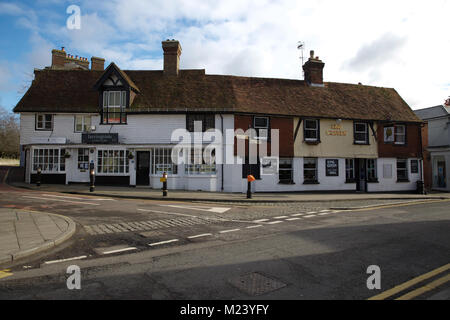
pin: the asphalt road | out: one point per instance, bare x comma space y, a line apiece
160, 250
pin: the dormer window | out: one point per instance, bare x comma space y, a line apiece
114, 104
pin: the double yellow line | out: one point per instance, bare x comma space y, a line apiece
419, 291
5, 273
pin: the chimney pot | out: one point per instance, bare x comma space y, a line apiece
313, 69
97, 64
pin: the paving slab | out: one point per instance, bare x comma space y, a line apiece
24, 233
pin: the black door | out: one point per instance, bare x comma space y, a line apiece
361, 181
143, 168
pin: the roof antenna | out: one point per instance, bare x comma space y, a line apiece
301, 47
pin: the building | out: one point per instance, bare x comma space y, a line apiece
438, 120
332, 136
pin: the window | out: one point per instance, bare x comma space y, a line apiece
261, 125
82, 123
361, 133
49, 160
162, 162
350, 170
112, 162
114, 104
208, 121
44, 122
83, 159
415, 166
310, 170
199, 165
285, 171
402, 170
400, 134
311, 130
372, 170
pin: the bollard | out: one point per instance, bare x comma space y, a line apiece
164, 181
250, 179
38, 179
92, 180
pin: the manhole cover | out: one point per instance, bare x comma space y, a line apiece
256, 284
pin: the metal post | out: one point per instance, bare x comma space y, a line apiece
38, 179
164, 184
249, 190
92, 179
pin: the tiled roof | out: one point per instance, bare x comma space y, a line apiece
193, 91
432, 112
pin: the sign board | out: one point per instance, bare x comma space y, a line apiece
162, 179
332, 167
389, 134
100, 138
42, 140
336, 130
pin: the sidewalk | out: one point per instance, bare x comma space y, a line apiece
23, 233
177, 195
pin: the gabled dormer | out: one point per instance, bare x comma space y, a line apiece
116, 94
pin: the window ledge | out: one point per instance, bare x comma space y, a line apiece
361, 143
316, 142
286, 182
311, 182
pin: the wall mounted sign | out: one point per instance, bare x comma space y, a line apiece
332, 167
388, 134
336, 130
100, 138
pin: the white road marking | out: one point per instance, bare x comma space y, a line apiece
252, 227
311, 212
227, 231
293, 219
77, 202
280, 217
310, 216
172, 213
119, 250
208, 209
162, 242
274, 222
297, 214
324, 213
260, 220
200, 235
324, 210
77, 198
64, 260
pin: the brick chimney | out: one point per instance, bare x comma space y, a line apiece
313, 69
62, 60
172, 53
97, 64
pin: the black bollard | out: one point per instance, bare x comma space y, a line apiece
92, 180
164, 179
249, 190
38, 179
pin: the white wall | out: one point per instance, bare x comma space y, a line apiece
390, 184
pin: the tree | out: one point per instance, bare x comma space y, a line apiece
9, 135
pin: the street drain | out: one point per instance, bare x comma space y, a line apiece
256, 284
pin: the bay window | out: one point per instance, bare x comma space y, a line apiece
49, 160
200, 163
110, 162
162, 162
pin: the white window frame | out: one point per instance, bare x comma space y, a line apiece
104, 166
107, 106
403, 134
199, 165
260, 129
43, 160
366, 132
286, 161
82, 163
316, 170
316, 129
167, 166
350, 167
374, 169
403, 169
44, 121
84, 126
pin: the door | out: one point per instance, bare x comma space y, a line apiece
441, 174
143, 168
361, 181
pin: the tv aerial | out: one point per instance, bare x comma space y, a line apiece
301, 47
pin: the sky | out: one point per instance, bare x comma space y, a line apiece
397, 44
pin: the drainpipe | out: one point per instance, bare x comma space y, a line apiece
223, 146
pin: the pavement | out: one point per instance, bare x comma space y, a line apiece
24, 233
257, 198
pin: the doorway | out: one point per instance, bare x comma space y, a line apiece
442, 183
361, 177
143, 168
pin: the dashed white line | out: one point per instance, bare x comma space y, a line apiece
297, 214
77, 202
256, 226
119, 250
64, 260
280, 217
260, 220
162, 242
324, 210
274, 222
324, 213
293, 219
311, 212
227, 231
200, 235
310, 216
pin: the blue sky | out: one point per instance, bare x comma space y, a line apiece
399, 44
